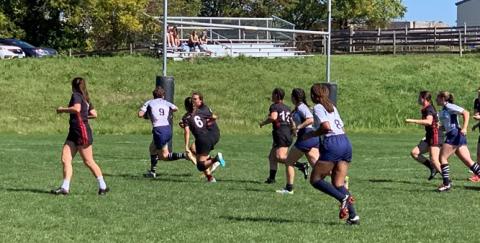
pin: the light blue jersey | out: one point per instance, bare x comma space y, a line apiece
159, 111
301, 114
449, 116
321, 115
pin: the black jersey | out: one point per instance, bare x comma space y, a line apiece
200, 122
476, 106
82, 117
283, 118
430, 111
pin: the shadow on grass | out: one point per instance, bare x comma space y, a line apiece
473, 188
240, 181
276, 220
32, 190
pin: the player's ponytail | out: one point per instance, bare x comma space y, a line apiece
299, 96
426, 95
278, 93
80, 85
446, 96
319, 94
188, 104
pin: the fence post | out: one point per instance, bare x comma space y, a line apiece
435, 38
324, 42
350, 42
377, 48
70, 52
211, 35
460, 43
239, 30
268, 32
131, 48
465, 33
406, 36
394, 43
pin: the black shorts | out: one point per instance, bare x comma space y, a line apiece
206, 143
282, 138
434, 137
80, 135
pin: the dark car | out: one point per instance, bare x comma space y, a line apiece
30, 50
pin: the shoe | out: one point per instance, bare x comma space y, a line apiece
211, 180
474, 178
343, 214
305, 170
150, 174
444, 188
284, 192
220, 159
433, 173
354, 221
270, 181
103, 192
60, 191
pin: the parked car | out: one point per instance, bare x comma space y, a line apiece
11, 52
30, 50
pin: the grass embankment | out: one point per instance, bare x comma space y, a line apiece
375, 92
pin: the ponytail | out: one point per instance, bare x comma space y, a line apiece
446, 96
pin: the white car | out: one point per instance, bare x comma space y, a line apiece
11, 52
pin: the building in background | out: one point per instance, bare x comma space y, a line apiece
417, 24
468, 12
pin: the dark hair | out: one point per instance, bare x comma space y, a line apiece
158, 92
447, 96
299, 96
188, 104
80, 85
279, 93
426, 95
319, 94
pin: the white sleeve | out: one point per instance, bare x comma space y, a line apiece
455, 109
321, 113
145, 106
305, 111
172, 106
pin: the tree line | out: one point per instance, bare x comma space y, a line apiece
112, 24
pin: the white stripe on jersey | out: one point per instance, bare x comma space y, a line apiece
159, 111
321, 115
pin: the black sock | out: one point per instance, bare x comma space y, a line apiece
475, 168
273, 173
176, 156
427, 164
445, 174
289, 187
351, 209
153, 163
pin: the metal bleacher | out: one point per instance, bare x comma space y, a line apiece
230, 42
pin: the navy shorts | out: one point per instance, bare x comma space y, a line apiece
336, 148
307, 144
455, 138
161, 136
81, 135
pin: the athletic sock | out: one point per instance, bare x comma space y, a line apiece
214, 166
101, 183
351, 209
427, 164
329, 189
176, 156
445, 174
289, 187
298, 165
153, 163
273, 174
66, 185
475, 168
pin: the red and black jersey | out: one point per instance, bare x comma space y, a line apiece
431, 131
283, 118
82, 117
200, 122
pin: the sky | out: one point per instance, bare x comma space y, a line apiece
437, 10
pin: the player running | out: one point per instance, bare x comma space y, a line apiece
158, 110
279, 116
476, 116
303, 118
335, 153
455, 141
202, 123
433, 136
79, 137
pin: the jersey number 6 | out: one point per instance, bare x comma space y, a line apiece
198, 121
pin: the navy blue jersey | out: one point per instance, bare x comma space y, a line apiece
82, 117
283, 118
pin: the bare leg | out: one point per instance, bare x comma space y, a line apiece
87, 155
68, 153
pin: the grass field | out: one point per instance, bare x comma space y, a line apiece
394, 199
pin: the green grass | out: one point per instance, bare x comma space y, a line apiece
375, 92
394, 199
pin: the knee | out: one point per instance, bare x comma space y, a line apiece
414, 154
89, 162
201, 166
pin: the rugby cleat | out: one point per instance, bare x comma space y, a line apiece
103, 192
60, 191
305, 170
270, 181
474, 178
150, 174
220, 159
343, 214
354, 221
284, 192
444, 188
211, 180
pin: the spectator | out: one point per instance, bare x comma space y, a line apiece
193, 41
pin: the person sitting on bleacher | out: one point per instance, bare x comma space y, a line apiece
204, 42
193, 41
170, 36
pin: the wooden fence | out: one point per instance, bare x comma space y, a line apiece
393, 41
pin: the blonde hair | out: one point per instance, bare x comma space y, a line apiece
447, 96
